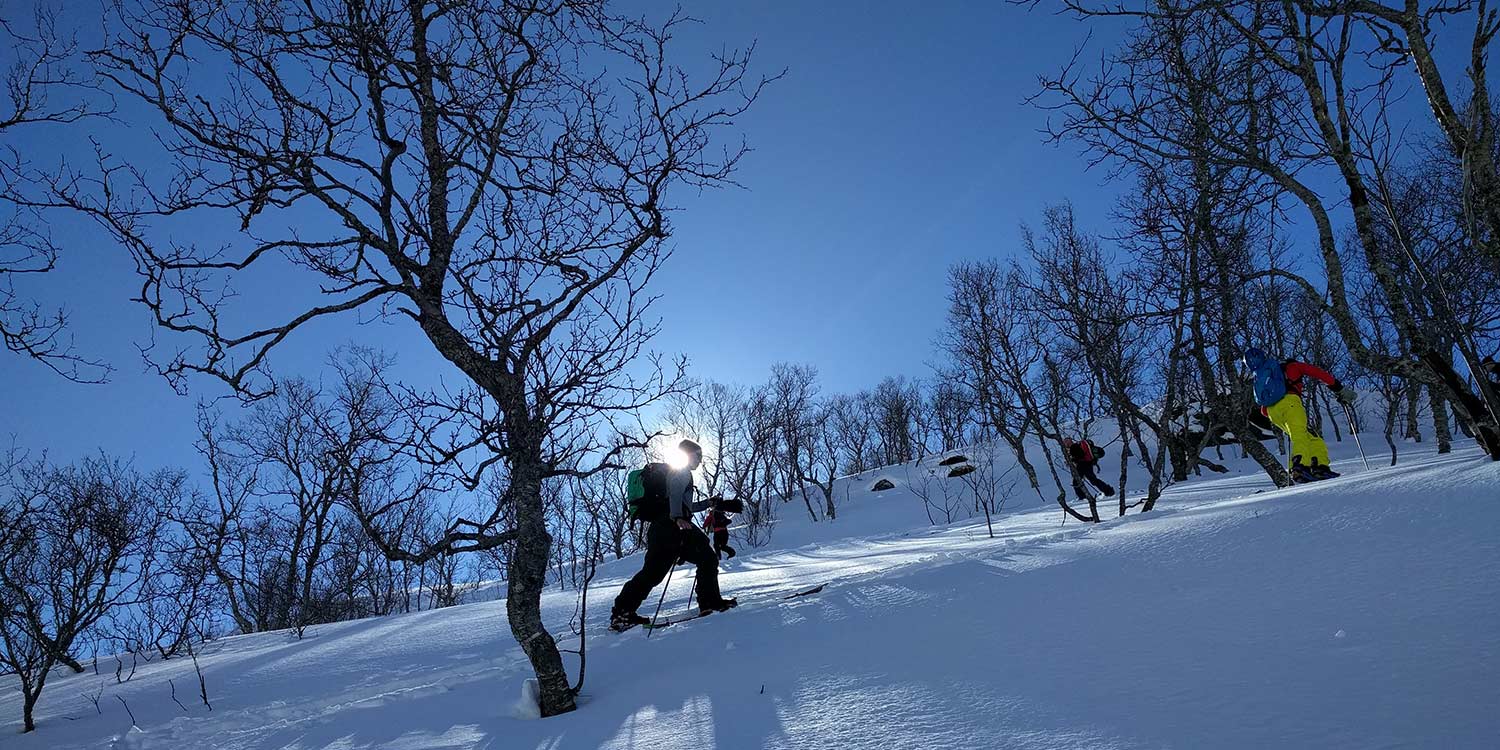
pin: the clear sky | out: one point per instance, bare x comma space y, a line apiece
898, 142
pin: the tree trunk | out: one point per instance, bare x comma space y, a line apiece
1464, 428
231, 589
71, 663
28, 703
1328, 402
29, 695
57, 649
1266, 459
1413, 410
1472, 407
1390, 427
1125, 453
527, 578
1440, 428
807, 500
1181, 464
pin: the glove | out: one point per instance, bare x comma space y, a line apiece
1345, 396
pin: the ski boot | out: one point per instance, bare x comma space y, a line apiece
1322, 471
622, 621
723, 606
1301, 473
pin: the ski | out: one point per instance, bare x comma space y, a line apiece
677, 621
669, 623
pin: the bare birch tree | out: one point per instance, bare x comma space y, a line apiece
496, 173
76, 542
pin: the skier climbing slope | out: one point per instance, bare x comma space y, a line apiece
1278, 391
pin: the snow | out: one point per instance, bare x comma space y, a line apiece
1354, 613
529, 705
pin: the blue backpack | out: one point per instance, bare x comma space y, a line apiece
1270, 379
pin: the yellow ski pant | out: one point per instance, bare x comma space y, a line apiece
1290, 417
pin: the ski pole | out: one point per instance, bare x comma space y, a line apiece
694, 591
1353, 430
663, 598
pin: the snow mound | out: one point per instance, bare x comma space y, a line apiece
529, 705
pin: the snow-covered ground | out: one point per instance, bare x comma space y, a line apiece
1355, 613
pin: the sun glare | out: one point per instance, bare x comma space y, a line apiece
677, 459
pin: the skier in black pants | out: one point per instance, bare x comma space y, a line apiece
717, 522
1086, 455
667, 540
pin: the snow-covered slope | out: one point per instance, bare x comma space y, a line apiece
1360, 612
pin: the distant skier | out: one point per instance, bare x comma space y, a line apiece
1278, 391
717, 523
670, 536
1086, 454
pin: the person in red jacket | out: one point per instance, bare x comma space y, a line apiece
1085, 455
717, 523
1278, 391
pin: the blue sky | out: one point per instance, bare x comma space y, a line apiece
898, 142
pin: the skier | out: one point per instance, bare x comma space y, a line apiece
1278, 391
717, 522
1086, 454
673, 536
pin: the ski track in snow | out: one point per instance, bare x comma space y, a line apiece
1354, 613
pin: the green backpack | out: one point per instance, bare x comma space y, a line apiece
646, 493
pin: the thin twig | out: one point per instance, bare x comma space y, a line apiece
173, 686
127, 710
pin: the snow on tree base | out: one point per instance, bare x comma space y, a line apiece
529, 705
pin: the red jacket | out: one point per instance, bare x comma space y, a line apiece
1295, 371
1083, 452
716, 521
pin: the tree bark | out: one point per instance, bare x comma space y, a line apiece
527, 577
1413, 411
1440, 427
